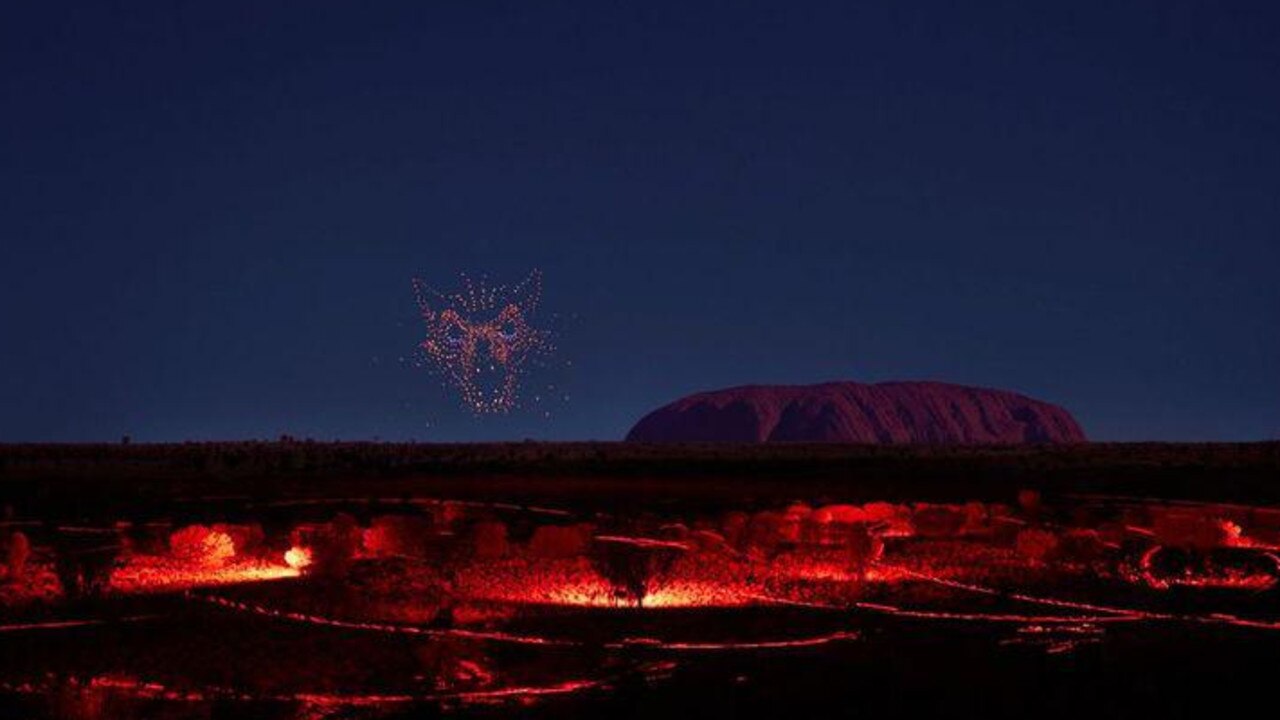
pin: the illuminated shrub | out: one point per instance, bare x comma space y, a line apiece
333, 546
489, 539
889, 520
391, 535
244, 538
297, 557
824, 531
1114, 533
83, 570
1082, 546
798, 512
1195, 530
839, 514
447, 514
937, 521
16, 550
764, 533
677, 532
1004, 524
1036, 544
833, 524
796, 519
1030, 502
633, 569
708, 542
202, 546
734, 527
560, 541
836, 549
977, 519
864, 548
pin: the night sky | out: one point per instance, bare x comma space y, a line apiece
210, 213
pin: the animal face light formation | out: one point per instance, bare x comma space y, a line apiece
480, 338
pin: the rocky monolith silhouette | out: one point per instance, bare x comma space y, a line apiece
850, 412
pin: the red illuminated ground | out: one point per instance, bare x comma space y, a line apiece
466, 604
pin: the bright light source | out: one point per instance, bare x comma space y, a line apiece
297, 557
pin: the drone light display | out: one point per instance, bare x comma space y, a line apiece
480, 338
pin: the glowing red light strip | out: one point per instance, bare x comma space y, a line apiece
1023, 597
712, 646
943, 615
392, 628
60, 624
642, 542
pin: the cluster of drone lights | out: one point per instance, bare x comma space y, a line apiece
480, 339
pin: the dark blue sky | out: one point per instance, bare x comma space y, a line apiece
210, 212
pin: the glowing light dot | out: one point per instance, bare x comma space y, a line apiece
297, 557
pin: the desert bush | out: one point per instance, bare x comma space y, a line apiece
632, 569
734, 527
391, 535
334, 546
1036, 544
889, 519
1194, 530
708, 542
17, 549
764, 533
1030, 502
560, 541
864, 548
1082, 546
489, 539
937, 521
202, 546
84, 571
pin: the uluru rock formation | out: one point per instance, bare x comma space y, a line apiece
850, 412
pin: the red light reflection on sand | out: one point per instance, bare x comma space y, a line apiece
575, 583
145, 574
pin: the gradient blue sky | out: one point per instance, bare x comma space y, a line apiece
210, 212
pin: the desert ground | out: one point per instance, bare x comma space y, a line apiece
299, 579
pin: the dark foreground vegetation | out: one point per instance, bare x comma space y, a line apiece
102, 476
